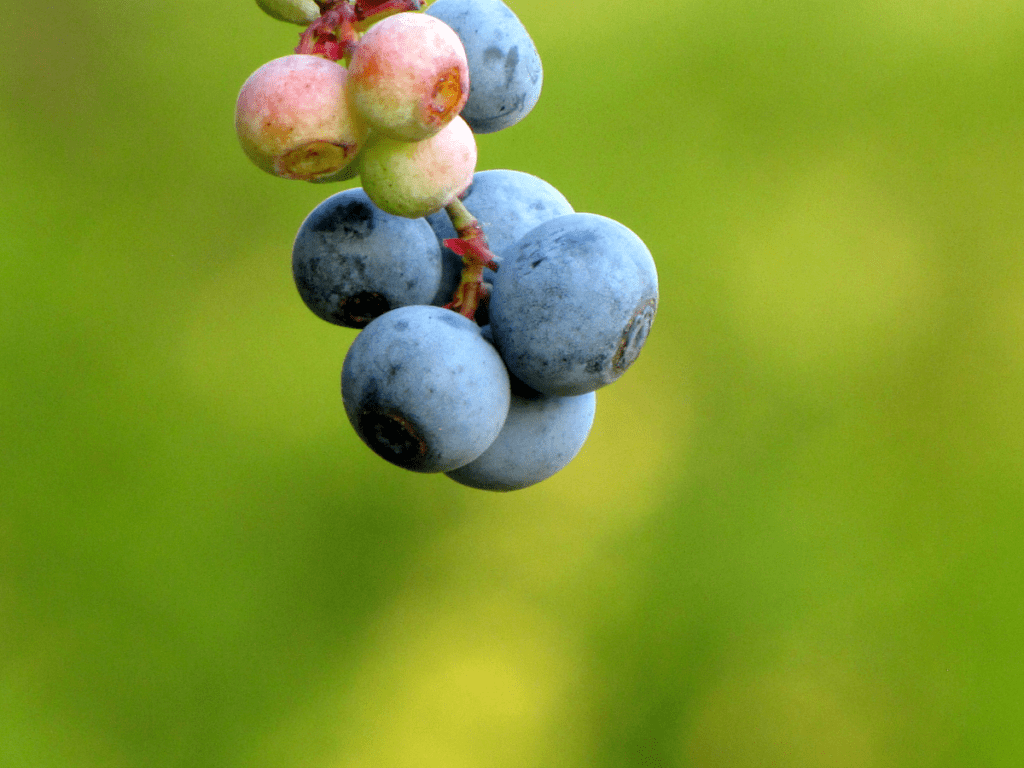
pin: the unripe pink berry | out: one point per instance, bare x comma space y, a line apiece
420, 178
408, 76
294, 119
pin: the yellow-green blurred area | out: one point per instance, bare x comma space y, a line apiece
793, 538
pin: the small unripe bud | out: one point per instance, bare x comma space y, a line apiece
301, 12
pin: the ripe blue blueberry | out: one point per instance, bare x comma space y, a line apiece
541, 435
573, 303
353, 262
424, 390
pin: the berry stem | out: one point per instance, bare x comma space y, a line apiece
471, 245
333, 35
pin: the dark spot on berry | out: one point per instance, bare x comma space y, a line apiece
350, 220
493, 55
511, 62
451, 318
393, 437
575, 242
597, 364
357, 311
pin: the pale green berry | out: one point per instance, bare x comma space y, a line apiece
416, 179
301, 12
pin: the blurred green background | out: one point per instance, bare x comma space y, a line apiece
793, 538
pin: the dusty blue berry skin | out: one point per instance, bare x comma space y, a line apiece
424, 390
353, 262
542, 434
573, 303
505, 73
507, 204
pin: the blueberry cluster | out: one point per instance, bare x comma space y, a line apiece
489, 310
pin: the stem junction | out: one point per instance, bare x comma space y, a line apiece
334, 35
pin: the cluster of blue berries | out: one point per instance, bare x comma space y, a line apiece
500, 406
488, 315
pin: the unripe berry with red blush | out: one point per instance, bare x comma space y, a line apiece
408, 77
294, 119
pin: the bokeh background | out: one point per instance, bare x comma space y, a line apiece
793, 538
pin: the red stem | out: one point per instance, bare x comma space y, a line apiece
336, 32
471, 245
333, 35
